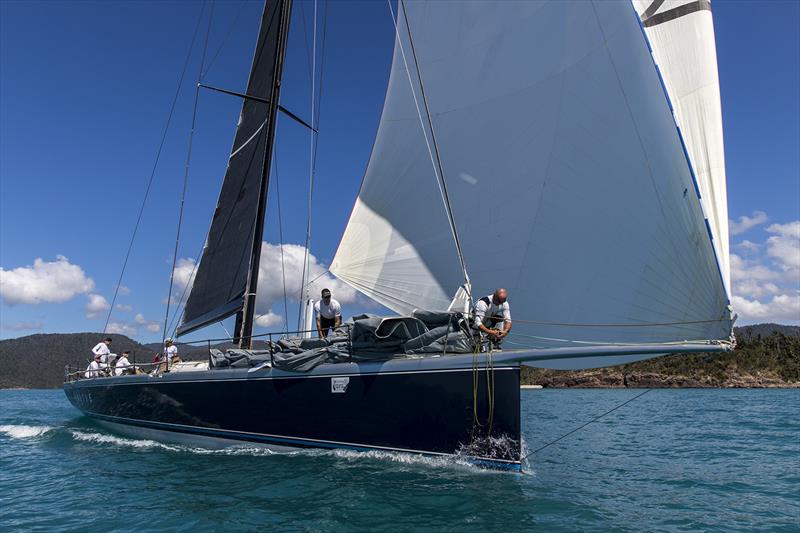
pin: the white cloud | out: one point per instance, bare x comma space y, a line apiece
269, 320
124, 307
182, 277
747, 246
270, 277
766, 284
745, 223
784, 245
96, 306
781, 307
54, 281
270, 281
23, 326
123, 290
121, 328
755, 289
149, 325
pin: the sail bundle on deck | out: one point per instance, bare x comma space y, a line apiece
566, 174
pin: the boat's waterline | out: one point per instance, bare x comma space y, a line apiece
196, 437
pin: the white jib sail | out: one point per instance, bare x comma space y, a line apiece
681, 33
567, 178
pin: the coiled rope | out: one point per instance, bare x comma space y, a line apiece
488, 367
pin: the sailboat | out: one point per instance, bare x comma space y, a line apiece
568, 151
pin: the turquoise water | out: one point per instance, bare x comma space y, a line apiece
673, 460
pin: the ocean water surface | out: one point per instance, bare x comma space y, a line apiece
673, 460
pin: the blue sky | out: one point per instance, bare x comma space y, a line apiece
85, 89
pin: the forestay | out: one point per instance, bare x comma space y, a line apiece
681, 33
567, 178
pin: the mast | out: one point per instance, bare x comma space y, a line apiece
248, 312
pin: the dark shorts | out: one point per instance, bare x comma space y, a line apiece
326, 324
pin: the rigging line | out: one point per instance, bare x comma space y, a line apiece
280, 231
645, 324
305, 39
186, 170
224, 39
155, 164
228, 333
319, 276
321, 74
595, 419
181, 301
603, 343
310, 170
315, 130
435, 159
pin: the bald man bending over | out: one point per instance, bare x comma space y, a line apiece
493, 315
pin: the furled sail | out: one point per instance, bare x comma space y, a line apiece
221, 277
681, 33
567, 178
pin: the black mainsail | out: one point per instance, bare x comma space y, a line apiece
228, 269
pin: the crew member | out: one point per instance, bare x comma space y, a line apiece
96, 368
329, 313
123, 366
102, 349
172, 352
493, 315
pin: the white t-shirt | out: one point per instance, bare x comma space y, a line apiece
172, 351
121, 366
485, 308
93, 368
329, 311
102, 350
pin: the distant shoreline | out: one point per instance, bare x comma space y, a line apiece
609, 387
616, 379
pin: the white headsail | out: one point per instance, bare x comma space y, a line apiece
567, 178
681, 33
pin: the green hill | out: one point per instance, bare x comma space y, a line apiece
38, 361
766, 355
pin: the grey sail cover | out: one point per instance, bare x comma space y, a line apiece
567, 177
221, 277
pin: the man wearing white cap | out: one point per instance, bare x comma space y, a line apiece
172, 352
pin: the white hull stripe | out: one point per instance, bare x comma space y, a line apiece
160, 381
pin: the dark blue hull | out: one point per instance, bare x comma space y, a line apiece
427, 406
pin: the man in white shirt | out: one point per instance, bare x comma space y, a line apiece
102, 349
493, 315
172, 352
123, 366
329, 314
96, 368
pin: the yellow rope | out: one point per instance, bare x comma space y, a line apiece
490, 388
